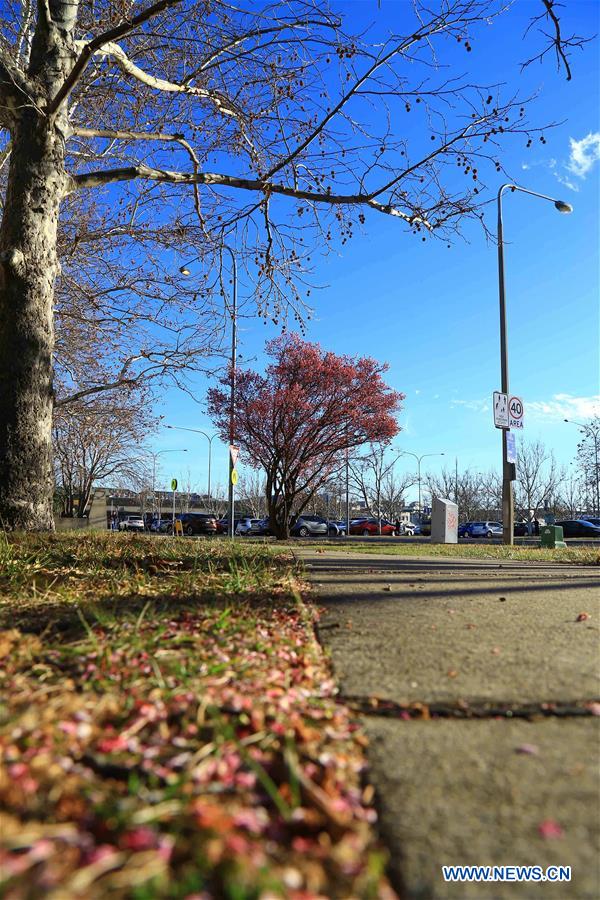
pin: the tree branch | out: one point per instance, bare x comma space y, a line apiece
113, 34
556, 41
15, 89
119, 134
111, 176
218, 99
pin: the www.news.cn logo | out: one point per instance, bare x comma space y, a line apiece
506, 873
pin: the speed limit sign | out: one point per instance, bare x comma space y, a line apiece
516, 411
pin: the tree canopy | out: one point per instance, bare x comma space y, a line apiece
298, 419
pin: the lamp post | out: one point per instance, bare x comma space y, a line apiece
154, 457
508, 511
418, 459
593, 432
233, 310
209, 438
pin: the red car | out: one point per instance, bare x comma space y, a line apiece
368, 526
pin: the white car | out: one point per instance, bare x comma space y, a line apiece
132, 523
409, 528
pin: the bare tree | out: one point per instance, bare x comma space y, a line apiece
588, 459
467, 488
218, 500
95, 442
372, 476
539, 478
134, 134
571, 498
251, 492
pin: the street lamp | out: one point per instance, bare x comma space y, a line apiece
593, 432
418, 459
186, 271
209, 438
508, 510
154, 456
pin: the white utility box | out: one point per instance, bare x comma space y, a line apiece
444, 522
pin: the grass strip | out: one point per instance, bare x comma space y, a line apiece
577, 556
169, 728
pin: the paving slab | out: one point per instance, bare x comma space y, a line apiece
457, 791
460, 793
407, 632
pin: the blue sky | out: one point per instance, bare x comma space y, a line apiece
432, 312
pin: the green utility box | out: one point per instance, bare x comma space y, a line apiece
552, 536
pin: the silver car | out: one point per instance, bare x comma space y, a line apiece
249, 526
308, 524
486, 529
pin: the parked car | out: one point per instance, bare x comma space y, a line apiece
264, 526
132, 523
166, 526
409, 528
337, 527
521, 529
579, 528
198, 523
464, 529
370, 525
425, 526
592, 519
248, 526
160, 526
486, 529
308, 524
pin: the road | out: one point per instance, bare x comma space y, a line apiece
500, 661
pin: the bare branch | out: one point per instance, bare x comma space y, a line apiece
556, 40
15, 89
111, 176
113, 34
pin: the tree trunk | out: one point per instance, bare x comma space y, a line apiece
279, 517
28, 267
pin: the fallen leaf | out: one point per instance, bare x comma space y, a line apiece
550, 829
527, 749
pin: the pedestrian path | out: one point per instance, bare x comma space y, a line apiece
476, 681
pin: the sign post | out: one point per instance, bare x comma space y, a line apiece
516, 411
173, 488
500, 410
511, 447
234, 452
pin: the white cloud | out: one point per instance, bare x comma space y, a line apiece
582, 157
563, 406
557, 408
567, 182
480, 406
584, 154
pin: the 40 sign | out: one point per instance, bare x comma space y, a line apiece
516, 411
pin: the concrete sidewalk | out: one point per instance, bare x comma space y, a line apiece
485, 791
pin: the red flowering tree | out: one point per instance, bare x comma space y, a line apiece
297, 420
